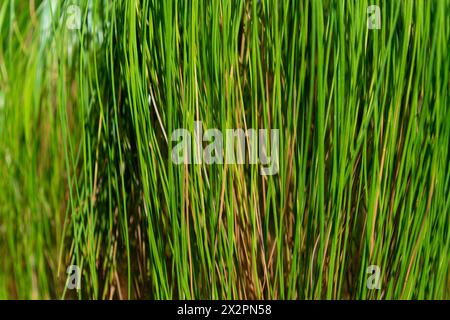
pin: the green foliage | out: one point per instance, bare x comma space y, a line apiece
86, 118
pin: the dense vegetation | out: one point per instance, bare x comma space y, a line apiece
86, 117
